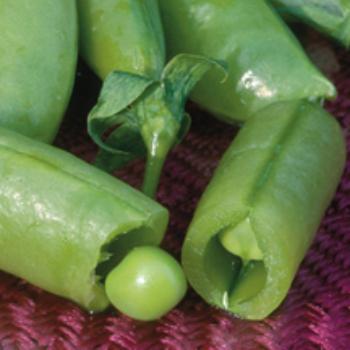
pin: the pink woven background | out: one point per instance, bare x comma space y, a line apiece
315, 315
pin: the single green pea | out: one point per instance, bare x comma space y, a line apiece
146, 284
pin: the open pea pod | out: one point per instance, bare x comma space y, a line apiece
141, 105
64, 224
259, 214
265, 62
38, 45
329, 16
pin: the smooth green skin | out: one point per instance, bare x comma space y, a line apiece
146, 284
58, 214
329, 16
280, 174
38, 53
266, 63
123, 35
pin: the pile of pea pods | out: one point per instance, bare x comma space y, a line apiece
76, 231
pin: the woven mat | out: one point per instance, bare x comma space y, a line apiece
315, 315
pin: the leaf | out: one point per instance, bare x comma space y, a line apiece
162, 114
148, 115
312, 9
181, 75
119, 91
128, 141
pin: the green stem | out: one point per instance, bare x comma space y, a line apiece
153, 170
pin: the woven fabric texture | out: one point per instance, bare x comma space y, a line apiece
315, 315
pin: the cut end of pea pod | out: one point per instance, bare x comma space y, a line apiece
261, 210
146, 284
145, 117
241, 242
86, 221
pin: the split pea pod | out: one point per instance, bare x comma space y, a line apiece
266, 63
329, 16
38, 46
259, 214
66, 227
141, 101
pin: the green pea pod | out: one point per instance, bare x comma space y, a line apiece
329, 16
64, 225
141, 104
121, 35
266, 63
38, 46
259, 214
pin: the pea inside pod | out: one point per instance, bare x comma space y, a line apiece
260, 212
38, 46
65, 226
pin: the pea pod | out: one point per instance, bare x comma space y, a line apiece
141, 104
65, 226
329, 16
260, 212
266, 63
38, 46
